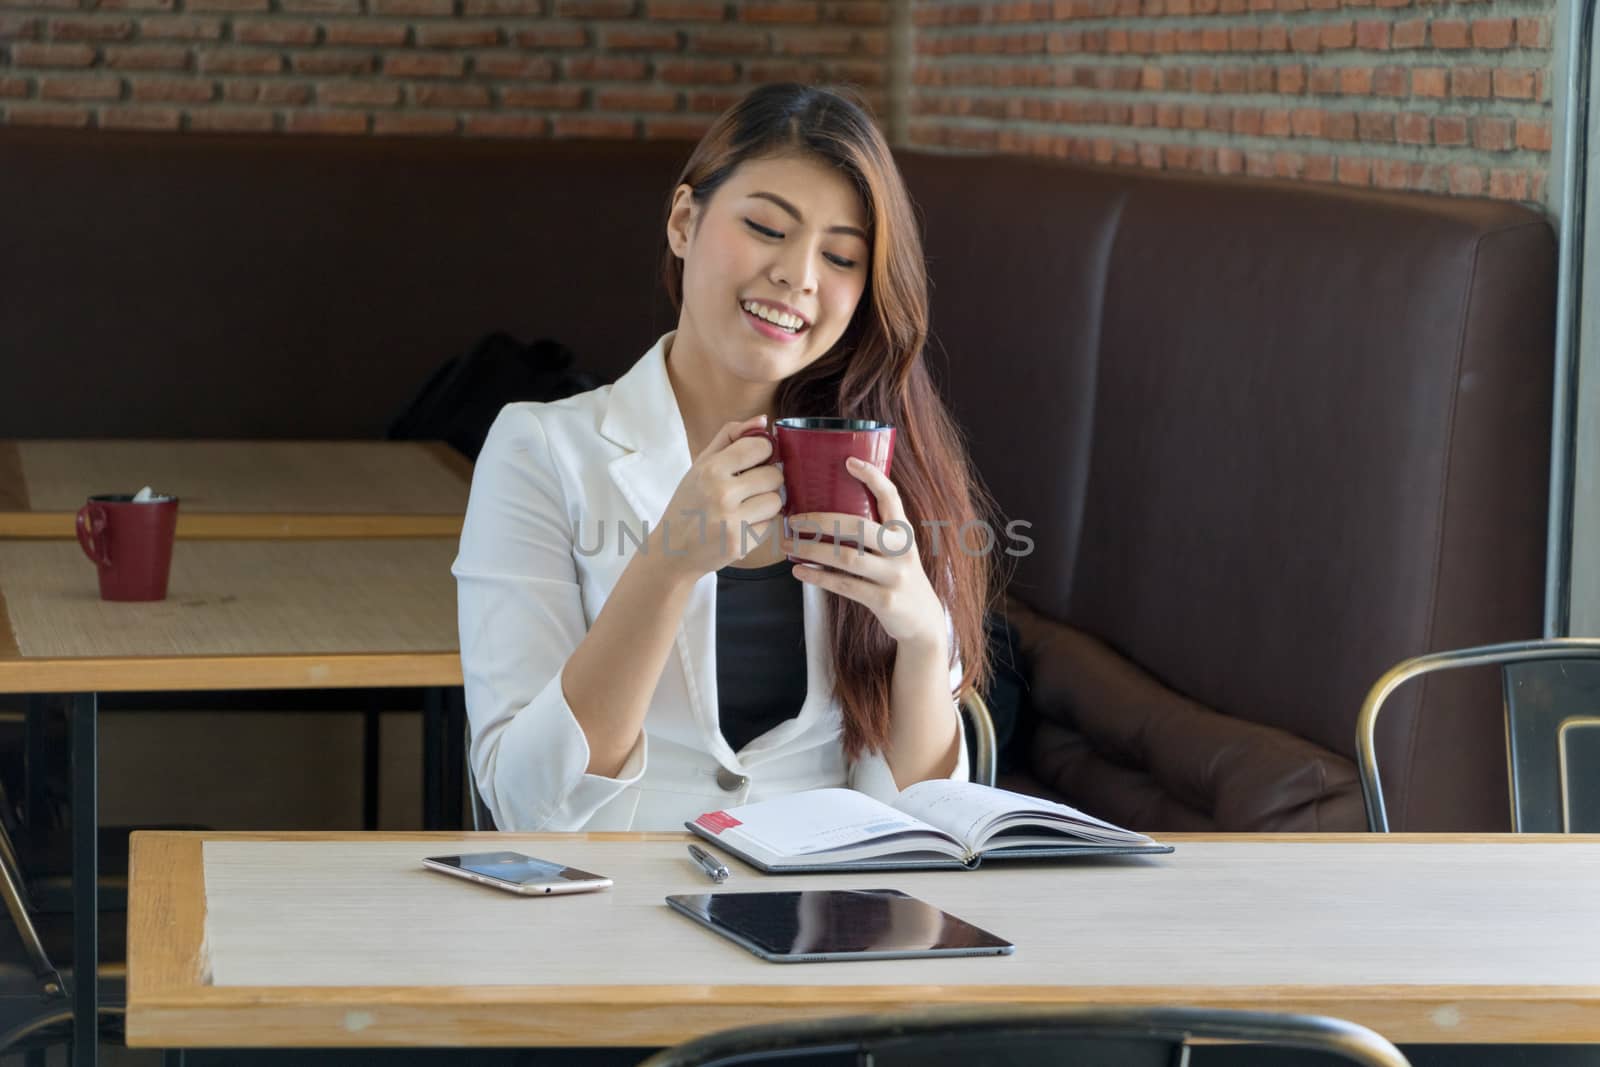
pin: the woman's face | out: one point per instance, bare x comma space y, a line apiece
774, 265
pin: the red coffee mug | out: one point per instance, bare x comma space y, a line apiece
813, 453
130, 544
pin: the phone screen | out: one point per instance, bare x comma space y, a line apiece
514, 867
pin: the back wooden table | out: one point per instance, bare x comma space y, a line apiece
344, 940
248, 489
239, 615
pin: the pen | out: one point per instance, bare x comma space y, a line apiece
708, 863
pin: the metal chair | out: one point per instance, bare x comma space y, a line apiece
1552, 705
977, 712
1027, 1036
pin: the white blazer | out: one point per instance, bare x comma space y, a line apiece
527, 592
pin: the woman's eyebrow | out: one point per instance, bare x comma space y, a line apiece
791, 209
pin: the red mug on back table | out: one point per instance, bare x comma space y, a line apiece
130, 543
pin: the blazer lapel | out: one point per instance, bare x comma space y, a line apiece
643, 418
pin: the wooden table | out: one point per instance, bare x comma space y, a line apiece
243, 489
239, 615
331, 940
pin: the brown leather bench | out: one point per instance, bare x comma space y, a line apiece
1269, 438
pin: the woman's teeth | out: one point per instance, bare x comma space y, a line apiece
780, 319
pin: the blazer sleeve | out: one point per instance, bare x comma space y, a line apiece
520, 614
870, 773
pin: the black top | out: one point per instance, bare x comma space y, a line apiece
761, 650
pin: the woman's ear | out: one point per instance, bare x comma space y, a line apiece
681, 220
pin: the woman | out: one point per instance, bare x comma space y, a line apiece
624, 670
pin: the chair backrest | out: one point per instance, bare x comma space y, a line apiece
1552, 709
1022, 1037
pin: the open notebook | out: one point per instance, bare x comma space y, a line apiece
931, 824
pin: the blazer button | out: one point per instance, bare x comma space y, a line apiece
729, 781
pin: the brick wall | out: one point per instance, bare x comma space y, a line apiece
516, 68
1400, 94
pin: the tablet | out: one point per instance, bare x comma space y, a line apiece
814, 925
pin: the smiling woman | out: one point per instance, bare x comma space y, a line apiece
793, 258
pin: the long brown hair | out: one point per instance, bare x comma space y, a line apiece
875, 371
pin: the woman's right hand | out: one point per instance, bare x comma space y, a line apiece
716, 513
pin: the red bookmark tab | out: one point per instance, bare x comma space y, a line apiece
716, 821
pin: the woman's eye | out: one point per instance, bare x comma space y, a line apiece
837, 261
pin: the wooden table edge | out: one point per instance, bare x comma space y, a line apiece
133, 674
242, 526
170, 1004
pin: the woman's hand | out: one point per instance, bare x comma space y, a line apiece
715, 514
884, 573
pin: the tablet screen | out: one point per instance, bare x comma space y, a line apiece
818, 924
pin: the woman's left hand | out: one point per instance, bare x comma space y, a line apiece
884, 574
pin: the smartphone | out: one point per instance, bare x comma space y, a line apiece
516, 873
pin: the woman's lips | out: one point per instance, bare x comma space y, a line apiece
767, 329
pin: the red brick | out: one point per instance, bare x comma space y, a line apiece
1274, 38
90, 29
1428, 81
554, 37
52, 55
140, 118
1291, 80
829, 43
1354, 171
228, 120
1531, 33
544, 97
1493, 33
1247, 121
363, 33
173, 90
459, 97
1305, 39
320, 7
1411, 128
1233, 80
1391, 174
1318, 168
274, 32
1338, 36
506, 126
79, 87
1284, 164
1471, 82
358, 94
1514, 84
1508, 184
1448, 33
18, 28
1339, 126
1450, 130
1275, 122
320, 62
686, 10
635, 100
1324, 80
292, 94
1356, 81
417, 8
406, 124
606, 68
644, 38
864, 13
1372, 36
14, 88
1412, 33
136, 5
1306, 122
594, 9
517, 66
1389, 81
795, 11
455, 35
736, 41
594, 127
240, 61
697, 72
1492, 134
179, 28
325, 122
226, 6
1375, 126
428, 65
147, 57
24, 115
1230, 161
713, 102
1533, 135
486, 8
1466, 180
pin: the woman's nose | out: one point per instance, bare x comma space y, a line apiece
794, 269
